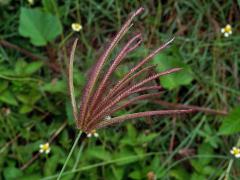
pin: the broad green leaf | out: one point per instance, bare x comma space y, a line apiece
25, 109
197, 165
12, 173
48, 5
125, 152
20, 66
99, 153
208, 170
231, 123
3, 85
179, 174
41, 27
51, 165
33, 67
166, 61
118, 173
205, 149
55, 86
196, 176
30, 99
24, 98
8, 98
146, 138
135, 174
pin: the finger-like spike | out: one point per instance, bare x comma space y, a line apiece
70, 81
123, 118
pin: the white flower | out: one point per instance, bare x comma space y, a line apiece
76, 27
44, 148
93, 133
107, 117
31, 2
236, 152
227, 30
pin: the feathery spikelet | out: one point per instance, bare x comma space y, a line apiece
100, 100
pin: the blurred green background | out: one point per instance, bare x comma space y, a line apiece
35, 43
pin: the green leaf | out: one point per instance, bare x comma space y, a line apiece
3, 85
125, 152
41, 27
55, 86
51, 165
197, 165
8, 98
48, 5
20, 66
12, 173
99, 153
179, 173
118, 173
196, 176
33, 67
231, 123
205, 149
25, 109
135, 175
30, 99
146, 138
166, 61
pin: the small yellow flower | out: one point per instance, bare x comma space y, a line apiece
93, 133
44, 148
227, 30
76, 27
236, 152
31, 2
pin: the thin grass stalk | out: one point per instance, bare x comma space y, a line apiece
69, 155
78, 156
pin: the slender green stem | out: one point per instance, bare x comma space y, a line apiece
78, 156
69, 155
228, 169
